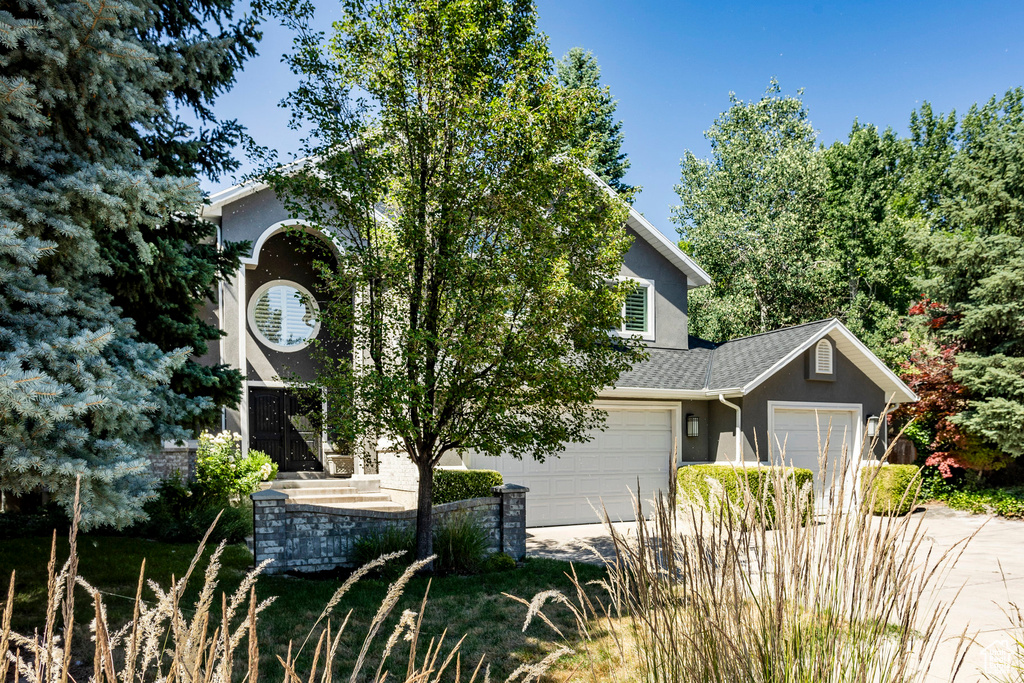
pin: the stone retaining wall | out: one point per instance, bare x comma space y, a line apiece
309, 538
174, 460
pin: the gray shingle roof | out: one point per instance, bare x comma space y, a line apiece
712, 367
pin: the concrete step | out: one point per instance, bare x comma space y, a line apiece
337, 499
300, 476
378, 506
320, 491
359, 482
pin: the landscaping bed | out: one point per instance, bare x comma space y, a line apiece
471, 605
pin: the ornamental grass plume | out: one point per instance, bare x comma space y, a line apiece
168, 641
777, 587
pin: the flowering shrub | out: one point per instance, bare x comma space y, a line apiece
222, 471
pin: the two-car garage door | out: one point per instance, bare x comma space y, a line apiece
636, 445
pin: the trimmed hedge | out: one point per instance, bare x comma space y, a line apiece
453, 485
890, 489
694, 485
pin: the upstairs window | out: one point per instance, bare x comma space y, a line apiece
284, 316
823, 358
638, 310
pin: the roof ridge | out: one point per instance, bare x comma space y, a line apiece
707, 372
781, 329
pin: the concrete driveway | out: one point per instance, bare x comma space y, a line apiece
988, 576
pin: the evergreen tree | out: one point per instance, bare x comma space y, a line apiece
597, 129
201, 47
81, 85
972, 255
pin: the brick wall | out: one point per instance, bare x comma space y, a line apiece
397, 471
309, 538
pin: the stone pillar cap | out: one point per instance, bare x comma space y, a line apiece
269, 494
509, 488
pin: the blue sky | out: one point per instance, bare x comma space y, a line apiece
671, 66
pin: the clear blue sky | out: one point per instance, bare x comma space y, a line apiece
671, 66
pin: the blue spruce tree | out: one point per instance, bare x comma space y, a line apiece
82, 87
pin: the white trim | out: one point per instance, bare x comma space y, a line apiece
649, 290
243, 364
268, 384
251, 315
281, 226
672, 394
840, 329
857, 409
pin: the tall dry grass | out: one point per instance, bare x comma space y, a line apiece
167, 641
775, 588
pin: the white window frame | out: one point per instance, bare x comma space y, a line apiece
648, 333
826, 346
251, 315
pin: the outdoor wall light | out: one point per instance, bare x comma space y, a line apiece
692, 425
872, 426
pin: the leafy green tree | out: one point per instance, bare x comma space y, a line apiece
479, 249
751, 215
200, 46
867, 256
80, 394
597, 129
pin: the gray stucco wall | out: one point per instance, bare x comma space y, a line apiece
284, 258
670, 292
695, 448
246, 219
790, 384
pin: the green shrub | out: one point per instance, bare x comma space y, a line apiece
390, 539
452, 485
222, 471
499, 562
460, 545
695, 484
890, 489
182, 513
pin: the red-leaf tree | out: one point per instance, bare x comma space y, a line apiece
929, 373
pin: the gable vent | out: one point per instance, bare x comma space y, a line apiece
823, 358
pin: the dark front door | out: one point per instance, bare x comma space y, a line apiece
278, 428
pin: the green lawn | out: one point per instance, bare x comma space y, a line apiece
470, 605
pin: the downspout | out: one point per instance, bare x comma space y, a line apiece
739, 428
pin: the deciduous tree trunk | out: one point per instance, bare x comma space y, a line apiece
424, 513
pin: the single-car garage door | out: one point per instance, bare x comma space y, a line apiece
799, 431
636, 444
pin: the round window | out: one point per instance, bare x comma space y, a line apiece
283, 315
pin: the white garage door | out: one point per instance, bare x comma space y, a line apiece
636, 444
800, 431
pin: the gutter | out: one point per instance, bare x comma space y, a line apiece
739, 427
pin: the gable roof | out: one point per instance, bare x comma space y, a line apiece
738, 362
738, 366
695, 275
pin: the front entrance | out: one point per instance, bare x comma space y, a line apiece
279, 428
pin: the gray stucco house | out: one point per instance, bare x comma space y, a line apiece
692, 401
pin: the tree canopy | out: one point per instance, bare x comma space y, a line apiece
86, 90
597, 129
481, 253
